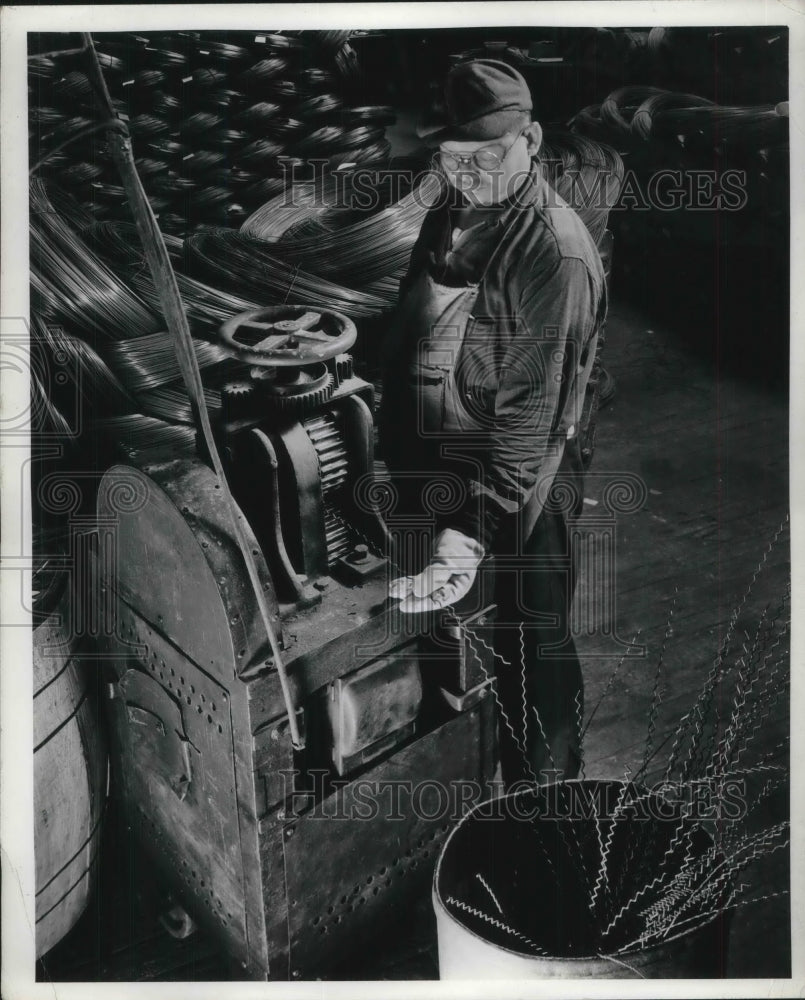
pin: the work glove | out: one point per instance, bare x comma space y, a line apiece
447, 577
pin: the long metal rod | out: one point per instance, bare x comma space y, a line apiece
176, 319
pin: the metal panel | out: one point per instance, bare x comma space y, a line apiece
174, 731
357, 859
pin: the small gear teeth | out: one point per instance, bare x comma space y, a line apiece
238, 388
343, 367
302, 402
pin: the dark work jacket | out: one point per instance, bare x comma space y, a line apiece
539, 305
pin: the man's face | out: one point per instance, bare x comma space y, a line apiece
489, 171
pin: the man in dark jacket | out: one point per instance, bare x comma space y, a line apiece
488, 361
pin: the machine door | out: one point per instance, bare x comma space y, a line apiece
173, 727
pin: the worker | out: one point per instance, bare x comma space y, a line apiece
487, 359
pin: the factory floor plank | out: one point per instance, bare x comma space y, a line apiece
711, 451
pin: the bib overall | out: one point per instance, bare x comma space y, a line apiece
436, 408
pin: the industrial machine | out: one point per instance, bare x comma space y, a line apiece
291, 855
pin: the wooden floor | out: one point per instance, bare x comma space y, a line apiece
710, 449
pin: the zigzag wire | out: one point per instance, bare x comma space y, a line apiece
702, 917
579, 720
459, 904
688, 892
692, 868
523, 685
680, 884
745, 685
630, 903
665, 872
486, 886
723, 880
780, 666
658, 881
637, 835
771, 685
610, 682
482, 641
761, 765
493, 686
759, 713
602, 879
657, 692
576, 857
756, 845
717, 671
715, 751
630, 852
770, 786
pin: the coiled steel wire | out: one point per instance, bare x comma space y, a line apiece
247, 266
172, 404
356, 253
319, 104
139, 433
224, 52
149, 362
118, 245
367, 114
221, 99
263, 71
256, 115
750, 127
93, 380
71, 284
586, 174
645, 115
619, 107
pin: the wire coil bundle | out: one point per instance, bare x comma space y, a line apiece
247, 267
631, 116
70, 284
331, 242
586, 174
196, 102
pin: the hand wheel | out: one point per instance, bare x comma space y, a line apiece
287, 335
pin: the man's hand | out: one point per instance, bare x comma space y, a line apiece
445, 580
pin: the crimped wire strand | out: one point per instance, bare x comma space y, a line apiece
691, 724
610, 681
494, 922
657, 692
745, 682
491, 894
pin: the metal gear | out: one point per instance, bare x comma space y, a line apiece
294, 390
237, 389
301, 402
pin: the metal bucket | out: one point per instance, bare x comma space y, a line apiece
513, 886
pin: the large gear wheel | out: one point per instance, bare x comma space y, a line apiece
294, 390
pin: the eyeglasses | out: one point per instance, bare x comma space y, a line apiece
487, 158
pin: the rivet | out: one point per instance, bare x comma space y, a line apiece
275, 734
289, 832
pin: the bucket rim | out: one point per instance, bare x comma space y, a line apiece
633, 953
